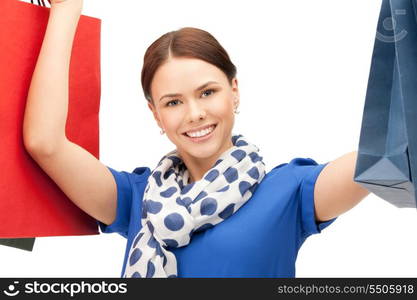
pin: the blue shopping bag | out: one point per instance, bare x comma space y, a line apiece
387, 155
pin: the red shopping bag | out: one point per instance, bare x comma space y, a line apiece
31, 204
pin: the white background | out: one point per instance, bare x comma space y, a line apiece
302, 68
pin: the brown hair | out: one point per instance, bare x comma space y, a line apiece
185, 42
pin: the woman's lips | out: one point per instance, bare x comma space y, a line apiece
202, 138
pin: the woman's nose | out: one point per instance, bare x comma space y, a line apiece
196, 111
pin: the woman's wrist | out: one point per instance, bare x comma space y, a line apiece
72, 6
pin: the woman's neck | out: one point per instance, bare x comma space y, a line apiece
197, 167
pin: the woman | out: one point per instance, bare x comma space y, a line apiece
208, 209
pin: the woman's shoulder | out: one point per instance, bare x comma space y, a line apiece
295, 163
298, 168
139, 174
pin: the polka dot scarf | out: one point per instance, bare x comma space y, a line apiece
174, 209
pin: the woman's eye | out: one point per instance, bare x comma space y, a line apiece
172, 101
210, 92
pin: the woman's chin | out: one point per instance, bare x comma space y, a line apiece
200, 151
203, 154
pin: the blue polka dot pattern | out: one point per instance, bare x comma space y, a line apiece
254, 157
176, 160
241, 143
144, 210
212, 175
187, 188
157, 176
254, 173
231, 174
243, 187
171, 243
137, 239
181, 184
168, 192
227, 212
224, 188
159, 250
167, 174
200, 196
135, 256
180, 201
151, 269
152, 242
174, 221
150, 226
253, 188
217, 162
184, 202
153, 207
208, 206
187, 201
239, 154
235, 138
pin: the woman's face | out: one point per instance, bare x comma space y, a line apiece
188, 94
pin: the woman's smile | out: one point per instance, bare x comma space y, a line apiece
201, 136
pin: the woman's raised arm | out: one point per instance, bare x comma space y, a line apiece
47, 103
82, 177
335, 191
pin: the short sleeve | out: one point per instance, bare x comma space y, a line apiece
307, 170
127, 187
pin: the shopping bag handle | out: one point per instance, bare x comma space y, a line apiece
40, 2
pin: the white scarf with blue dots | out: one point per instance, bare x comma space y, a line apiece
172, 211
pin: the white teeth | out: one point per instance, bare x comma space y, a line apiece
201, 132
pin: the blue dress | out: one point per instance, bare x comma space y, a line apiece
261, 239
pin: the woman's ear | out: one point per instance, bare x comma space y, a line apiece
155, 114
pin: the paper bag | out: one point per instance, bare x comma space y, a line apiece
31, 204
387, 155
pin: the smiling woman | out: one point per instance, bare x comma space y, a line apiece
208, 208
191, 87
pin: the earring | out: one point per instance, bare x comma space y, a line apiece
236, 101
162, 131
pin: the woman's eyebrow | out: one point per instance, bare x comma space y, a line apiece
205, 85
197, 89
